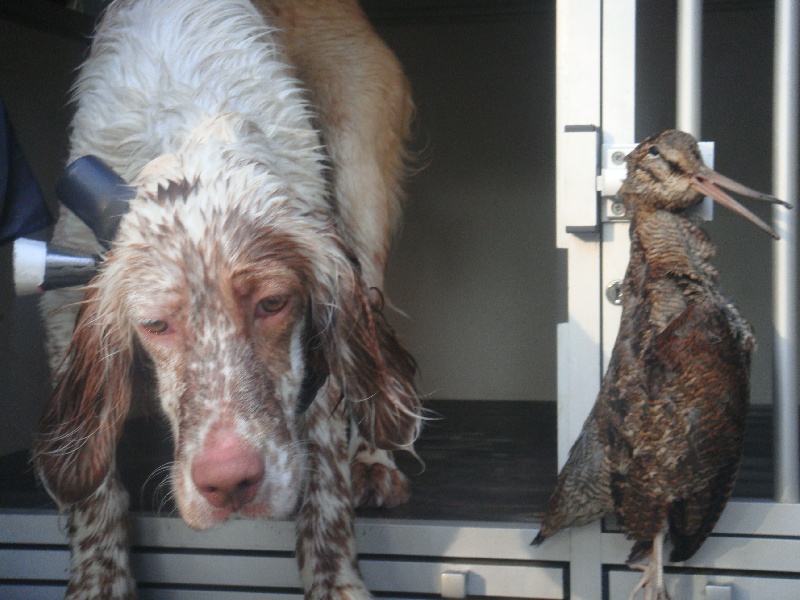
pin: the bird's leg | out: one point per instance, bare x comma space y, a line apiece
652, 580
645, 569
658, 559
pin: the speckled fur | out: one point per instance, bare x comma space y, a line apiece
240, 199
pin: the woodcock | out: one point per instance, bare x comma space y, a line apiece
662, 445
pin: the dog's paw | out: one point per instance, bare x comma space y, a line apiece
376, 480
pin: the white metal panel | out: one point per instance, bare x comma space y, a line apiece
580, 36
616, 252
455, 540
577, 183
10, 591
579, 341
577, 63
578, 25
511, 581
172, 532
759, 518
32, 527
24, 563
380, 575
249, 568
720, 552
50, 592
195, 594
56, 592
619, 110
607, 33
694, 586
619, 71
446, 539
259, 554
213, 569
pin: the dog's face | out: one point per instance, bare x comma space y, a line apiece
228, 355
220, 307
234, 284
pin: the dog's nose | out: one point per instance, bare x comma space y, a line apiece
228, 472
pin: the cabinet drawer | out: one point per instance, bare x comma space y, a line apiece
481, 579
223, 571
720, 586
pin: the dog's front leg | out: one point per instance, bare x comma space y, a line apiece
99, 540
325, 538
376, 480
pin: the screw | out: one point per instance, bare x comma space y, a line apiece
614, 292
617, 209
618, 157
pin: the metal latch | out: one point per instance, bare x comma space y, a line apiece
614, 170
612, 173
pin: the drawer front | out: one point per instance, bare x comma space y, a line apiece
220, 572
719, 586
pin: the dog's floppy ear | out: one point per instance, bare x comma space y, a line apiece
390, 416
78, 433
376, 371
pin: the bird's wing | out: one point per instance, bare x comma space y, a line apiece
582, 491
698, 380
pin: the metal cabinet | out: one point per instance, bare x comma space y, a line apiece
754, 551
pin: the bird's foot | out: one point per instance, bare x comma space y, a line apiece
650, 584
652, 580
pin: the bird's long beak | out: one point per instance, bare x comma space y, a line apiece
706, 182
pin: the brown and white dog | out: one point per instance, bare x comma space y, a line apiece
243, 289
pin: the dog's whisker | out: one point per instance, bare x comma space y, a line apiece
163, 488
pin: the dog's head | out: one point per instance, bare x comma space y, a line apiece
234, 291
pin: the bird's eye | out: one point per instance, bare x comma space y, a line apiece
654, 151
270, 305
155, 326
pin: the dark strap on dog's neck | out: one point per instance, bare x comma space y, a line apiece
312, 382
316, 368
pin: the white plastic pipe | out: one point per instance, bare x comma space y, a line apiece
784, 287
30, 257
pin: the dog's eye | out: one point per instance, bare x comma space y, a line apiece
270, 305
155, 327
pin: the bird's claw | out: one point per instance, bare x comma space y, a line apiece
649, 583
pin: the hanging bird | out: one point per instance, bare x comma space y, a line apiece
662, 444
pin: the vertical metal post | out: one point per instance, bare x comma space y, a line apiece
784, 181
578, 120
689, 58
618, 119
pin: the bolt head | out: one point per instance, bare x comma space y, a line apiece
614, 292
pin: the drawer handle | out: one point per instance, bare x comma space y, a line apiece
454, 584
719, 592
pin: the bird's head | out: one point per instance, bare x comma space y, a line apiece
666, 172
